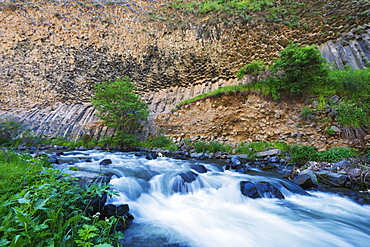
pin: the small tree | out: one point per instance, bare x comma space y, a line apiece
120, 108
254, 69
296, 69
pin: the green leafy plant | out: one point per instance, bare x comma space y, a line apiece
215, 147
243, 148
120, 108
259, 146
200, 147
14, 133
353, 119
296, 69
302, 153
337, 154
254, 69
307, 113
161, 142
283, 146
51, 211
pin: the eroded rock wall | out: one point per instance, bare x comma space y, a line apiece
53, 52
250, 117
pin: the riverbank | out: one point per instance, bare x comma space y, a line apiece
348, 177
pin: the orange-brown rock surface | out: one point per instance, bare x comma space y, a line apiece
53, 52
250, 117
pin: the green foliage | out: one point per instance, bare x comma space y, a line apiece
120, 108
330, 131
200, 147
322, 102
351, 82
17, 171
49, 211
242, 148
219, 91
13, 133
161, 142
212, 147
254, 69
259, 146
230, 6
297, 69
307, 113
350, 115
283, 146
336, 154
302, 153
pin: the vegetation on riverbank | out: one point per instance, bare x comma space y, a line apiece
41, 207
300, 73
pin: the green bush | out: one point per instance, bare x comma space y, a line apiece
159, 141
259, 146
18, 170
215, 147
337, 154
302, 153
212, 147
41, 208
254, 69
200, 147
351, 82
51, 212
350, 115
307, 113
297, 69
14, 133
242, 148
283, 146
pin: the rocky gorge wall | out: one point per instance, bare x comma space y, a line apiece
53, 52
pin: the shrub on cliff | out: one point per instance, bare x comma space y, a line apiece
121, 109
297, 69
253, 69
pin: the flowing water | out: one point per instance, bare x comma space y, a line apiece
211, 211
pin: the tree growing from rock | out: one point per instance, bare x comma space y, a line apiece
296, 70
121, 109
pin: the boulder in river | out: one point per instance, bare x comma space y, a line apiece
151, 156
105, 162
306, 179
331, 178
121, 212
260, 189
199, 168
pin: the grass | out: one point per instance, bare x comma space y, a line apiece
219, 91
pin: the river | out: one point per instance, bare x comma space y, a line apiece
211, 211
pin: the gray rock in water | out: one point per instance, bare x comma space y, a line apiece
151, 156
273, 159
306, 179
199, 168
197, 155
260, 189
333, 179
105, 162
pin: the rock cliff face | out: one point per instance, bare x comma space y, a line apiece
251, 117
53, 52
